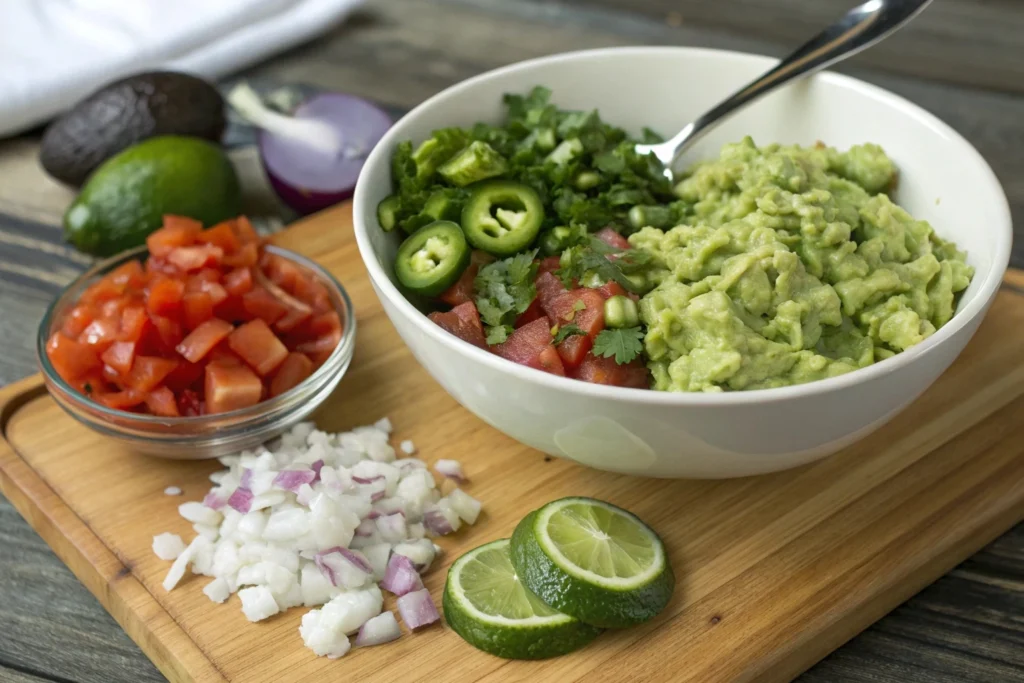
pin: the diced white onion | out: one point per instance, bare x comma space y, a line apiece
383, 628
258, 603
168, 546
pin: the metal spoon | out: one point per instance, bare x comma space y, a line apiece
859, 29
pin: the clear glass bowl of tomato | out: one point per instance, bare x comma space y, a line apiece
117, 366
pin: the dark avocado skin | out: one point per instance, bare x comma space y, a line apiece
126, 112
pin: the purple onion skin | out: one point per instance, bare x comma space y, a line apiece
308, 182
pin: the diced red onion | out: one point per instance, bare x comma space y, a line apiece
417, 609
384, 511
401, 576
383, 628
367, 480
376, 495
337, 565
435, 522
451, 469
291, 480
366, 527
214, 501
316, 467
392, 527
241, 499
246, 481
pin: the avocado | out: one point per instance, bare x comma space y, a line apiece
125, 112
129, 194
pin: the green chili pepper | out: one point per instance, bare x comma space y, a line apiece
387, 212
477, 162
620, 311
502, 217
431, 259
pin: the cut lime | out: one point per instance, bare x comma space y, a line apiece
594, 561
485, 603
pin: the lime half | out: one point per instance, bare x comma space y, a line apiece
485, 603
594, 561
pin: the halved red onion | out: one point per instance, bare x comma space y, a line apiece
291, 480
214, 501
401, 576
343, 567
417, 609
314, 156
436, 522
241, 499
451, 469
383, 628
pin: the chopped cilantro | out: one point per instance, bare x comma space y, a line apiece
566, 331
623, 344
504, 289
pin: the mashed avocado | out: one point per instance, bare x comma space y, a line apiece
793, 265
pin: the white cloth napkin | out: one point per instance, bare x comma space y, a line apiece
54, 52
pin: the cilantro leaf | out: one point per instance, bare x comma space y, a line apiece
623, 344
504, 289
498, 334
566, 331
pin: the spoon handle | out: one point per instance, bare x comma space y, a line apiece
859, 29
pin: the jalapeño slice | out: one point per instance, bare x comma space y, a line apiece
431, 259
502, 217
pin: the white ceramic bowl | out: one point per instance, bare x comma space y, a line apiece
942, 179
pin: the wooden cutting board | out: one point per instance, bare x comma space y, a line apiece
774, 571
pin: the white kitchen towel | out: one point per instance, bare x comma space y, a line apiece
54, 52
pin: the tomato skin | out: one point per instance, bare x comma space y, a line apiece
203, 339
259, 303
231, 387
177, 231
120, 356
161, 402
531, 346
257, 345
549, 288
463, 321
149, 371
601, 370
196, 308
71, 359
293, 371
164, 297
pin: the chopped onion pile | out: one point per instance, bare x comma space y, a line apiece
322, 519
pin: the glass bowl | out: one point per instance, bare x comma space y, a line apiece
205, 436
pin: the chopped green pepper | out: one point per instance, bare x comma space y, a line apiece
387, 212
502, 217
476, 162
621, 311
432, 258
445, 204
587, 180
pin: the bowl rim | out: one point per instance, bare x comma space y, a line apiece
232, 418
362, 214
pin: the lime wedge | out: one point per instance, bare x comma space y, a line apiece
594, 561
485, 603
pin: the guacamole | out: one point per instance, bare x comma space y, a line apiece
791, 265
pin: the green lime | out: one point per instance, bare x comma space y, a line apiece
485, 603
594, 561
126, 198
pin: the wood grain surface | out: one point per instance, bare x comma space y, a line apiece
774, 571
960, 59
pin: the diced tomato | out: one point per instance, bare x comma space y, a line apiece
231, 387
149, 371
601, 370
462, 290
177, 231
246, 233
122, 400
111, 375
292, 320
195, 281
325, 323
185, 376
203, 338
549, 288
134, 322
221, 235
550, 361
102, 290
238, 281
464, 322
168, 330
71, 359
128, 274
196, 308
612, 238
245, 256
525, 345
164, 297
549, 265
261, 304
610, 289
76, 320
120, 356
195, 257
533, 312
189, 403
113, 308
223, 355
258, 346
161, 402
321, 348
583, 308
295, 368
312, 292
281, 271
232, 310
100, 333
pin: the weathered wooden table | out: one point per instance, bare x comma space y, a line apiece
962, 59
